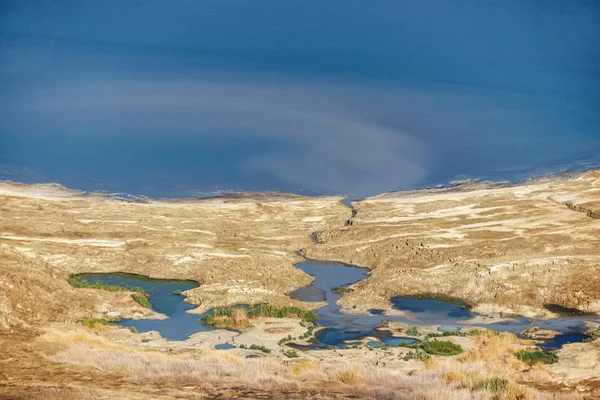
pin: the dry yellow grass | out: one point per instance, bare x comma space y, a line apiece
240, 318
517, 392
79, 337
448, 379
492, 347
302, 366
431, 363
350, 377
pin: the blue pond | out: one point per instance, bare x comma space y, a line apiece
179, 325
430, 310
564, 338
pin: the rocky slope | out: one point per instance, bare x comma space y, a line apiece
503, 248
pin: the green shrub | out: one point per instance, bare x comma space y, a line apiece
133, 329
413, 331
261, 348
177, 292
441, 347
243, 346
492, 384
291, 354
537, 356
141, 299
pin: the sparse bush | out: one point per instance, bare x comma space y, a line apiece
537, 356
413, 331
133, 329
177, 292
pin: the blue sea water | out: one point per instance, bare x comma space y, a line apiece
190, 98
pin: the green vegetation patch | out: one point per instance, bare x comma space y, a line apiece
537, 356
441, 347
142, 299
223, 317
79, 282
270, 311
92, 322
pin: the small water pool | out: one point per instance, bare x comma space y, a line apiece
224, 346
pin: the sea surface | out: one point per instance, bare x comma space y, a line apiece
194, 98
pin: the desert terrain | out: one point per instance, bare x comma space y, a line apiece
507, 250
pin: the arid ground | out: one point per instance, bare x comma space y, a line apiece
505, 249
